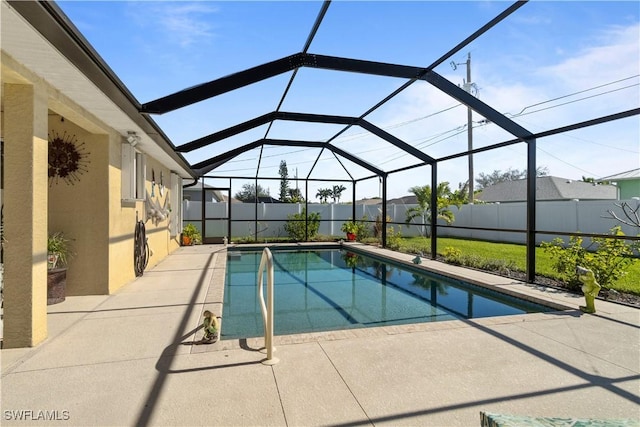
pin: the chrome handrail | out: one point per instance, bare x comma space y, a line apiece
267, 309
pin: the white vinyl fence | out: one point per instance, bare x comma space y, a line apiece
561, 216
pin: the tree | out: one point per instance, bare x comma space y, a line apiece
423, 210
284, 181
461, 195
497, 176
336, 192
323, 194
294, 195
248, 193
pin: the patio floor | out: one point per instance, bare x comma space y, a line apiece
130, 359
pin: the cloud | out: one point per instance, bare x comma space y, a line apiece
611, 55
179, 23
615, 55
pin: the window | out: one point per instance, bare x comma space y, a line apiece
133, 173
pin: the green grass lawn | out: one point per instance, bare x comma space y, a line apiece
517, 253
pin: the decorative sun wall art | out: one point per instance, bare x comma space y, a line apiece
68, 158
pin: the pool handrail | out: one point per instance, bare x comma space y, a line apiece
267, 309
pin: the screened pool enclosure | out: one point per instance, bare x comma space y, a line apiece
343, 108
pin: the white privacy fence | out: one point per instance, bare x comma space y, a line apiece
561, 216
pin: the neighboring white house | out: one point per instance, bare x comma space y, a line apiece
548, 188
194, 193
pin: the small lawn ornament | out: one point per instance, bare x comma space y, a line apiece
590, 288
211, 327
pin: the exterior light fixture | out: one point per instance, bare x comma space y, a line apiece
132, 138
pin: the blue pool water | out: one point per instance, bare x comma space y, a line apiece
323, 290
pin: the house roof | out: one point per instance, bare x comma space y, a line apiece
622, 176
197, 186
224, 198
219, 196
547, 188
372, 201
404, 200
43, 39
267, 199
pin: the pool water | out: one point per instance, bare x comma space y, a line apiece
324, 290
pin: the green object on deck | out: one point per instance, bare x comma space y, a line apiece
590, 288
488, 419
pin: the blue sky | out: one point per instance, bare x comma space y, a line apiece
548, 65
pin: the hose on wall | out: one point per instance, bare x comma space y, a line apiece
140, 249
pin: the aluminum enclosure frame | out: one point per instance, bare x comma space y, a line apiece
412, 74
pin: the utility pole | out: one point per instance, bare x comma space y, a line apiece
468, 87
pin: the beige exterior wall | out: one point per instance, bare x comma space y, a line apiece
160, 242
24, 130
90, 211
122, 219
79, 208
124, 215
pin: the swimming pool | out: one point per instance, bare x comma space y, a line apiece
333, 289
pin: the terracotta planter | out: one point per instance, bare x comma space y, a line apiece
186, 240
351, 236
56, 285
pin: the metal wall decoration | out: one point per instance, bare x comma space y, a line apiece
68, 158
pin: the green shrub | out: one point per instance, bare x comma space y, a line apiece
295, 225
417, 248
371, 241
609, 261
452, 255
362, 229
500, 266
325, 238
394, 239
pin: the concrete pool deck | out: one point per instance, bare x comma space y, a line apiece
130, 359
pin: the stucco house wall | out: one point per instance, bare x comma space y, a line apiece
80, 210
44, 94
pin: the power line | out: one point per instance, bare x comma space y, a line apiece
572, 94
397, 125
535, 111
461, 129
565, 162
568, 135
571, 102
484, 123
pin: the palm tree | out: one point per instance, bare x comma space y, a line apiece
336, 192
423, 210
323, 194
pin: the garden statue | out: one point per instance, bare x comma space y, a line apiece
210, 325
590, 288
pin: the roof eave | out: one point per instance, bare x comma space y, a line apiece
51, 22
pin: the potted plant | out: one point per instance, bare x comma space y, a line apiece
190, 235
58, 254
351, 228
